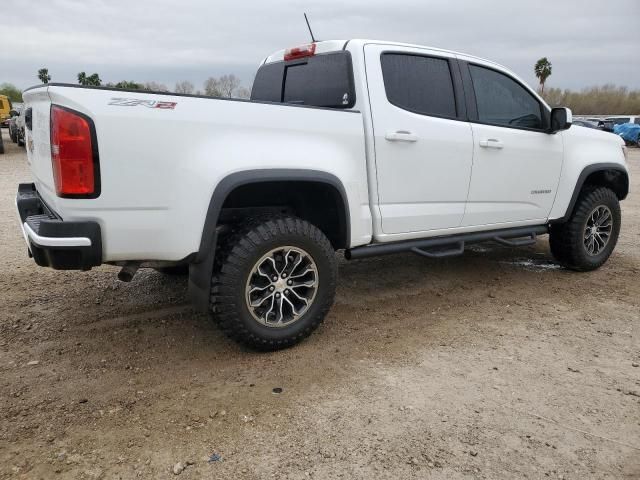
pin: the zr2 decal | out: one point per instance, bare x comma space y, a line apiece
132, 102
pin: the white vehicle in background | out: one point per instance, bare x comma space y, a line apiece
365, 146
620, 119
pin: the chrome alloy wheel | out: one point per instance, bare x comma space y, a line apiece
281, 286
597, 231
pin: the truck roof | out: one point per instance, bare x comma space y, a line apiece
326, 46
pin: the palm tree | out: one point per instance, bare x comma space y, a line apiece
82, 78
542, 70
43, 75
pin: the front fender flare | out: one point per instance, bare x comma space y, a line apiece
588, 170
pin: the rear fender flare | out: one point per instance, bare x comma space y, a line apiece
201, 269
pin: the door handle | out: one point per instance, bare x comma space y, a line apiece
401, 136
491, 143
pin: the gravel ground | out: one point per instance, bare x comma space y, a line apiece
496, 364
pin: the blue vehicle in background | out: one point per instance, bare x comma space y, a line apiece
629, 132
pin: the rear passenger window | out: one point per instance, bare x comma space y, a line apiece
419, 84
503, 101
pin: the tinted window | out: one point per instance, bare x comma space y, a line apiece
267, 86
420, 84
324, 80
503, 101
637, 121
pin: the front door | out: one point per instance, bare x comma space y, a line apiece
516, 163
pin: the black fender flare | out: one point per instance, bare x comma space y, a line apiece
201, 267
588, 170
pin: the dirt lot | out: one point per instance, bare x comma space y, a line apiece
496, 364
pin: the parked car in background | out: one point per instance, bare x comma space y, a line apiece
5, 109
629, 132
584, 123
620, 119
13, 123
19, 128
602, 124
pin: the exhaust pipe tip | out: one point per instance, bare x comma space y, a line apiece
127, 272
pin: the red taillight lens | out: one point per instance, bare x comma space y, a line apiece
300, 52
72, 154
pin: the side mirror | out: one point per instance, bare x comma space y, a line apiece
561, 119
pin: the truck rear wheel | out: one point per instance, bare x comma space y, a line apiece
585, 241
273, 283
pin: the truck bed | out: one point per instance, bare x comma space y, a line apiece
161, 156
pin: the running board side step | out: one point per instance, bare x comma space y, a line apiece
456, 249
450, 245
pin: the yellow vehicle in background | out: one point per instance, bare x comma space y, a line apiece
5, 108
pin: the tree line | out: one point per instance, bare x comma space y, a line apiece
604, 100
228, 86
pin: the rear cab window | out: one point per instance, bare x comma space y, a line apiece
323, 80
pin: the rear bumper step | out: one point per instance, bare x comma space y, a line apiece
452, 244
53, 242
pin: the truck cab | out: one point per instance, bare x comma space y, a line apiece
455, 143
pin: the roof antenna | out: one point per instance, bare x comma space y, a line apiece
309, 27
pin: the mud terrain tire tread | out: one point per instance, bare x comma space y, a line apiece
235, 257
566, 239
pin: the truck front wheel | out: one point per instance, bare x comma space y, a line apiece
585, 241
273, 282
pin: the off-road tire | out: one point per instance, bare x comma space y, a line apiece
567, 239
236, 257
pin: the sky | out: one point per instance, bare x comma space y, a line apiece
589, 42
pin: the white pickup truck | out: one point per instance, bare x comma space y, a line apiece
364, 146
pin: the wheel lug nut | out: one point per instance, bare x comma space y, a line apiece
289, 282
277, 295
272, 288
284, 275
274, 278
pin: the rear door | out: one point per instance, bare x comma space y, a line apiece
423, 145
516, 163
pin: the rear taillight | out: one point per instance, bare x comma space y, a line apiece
300, 52
74, 154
